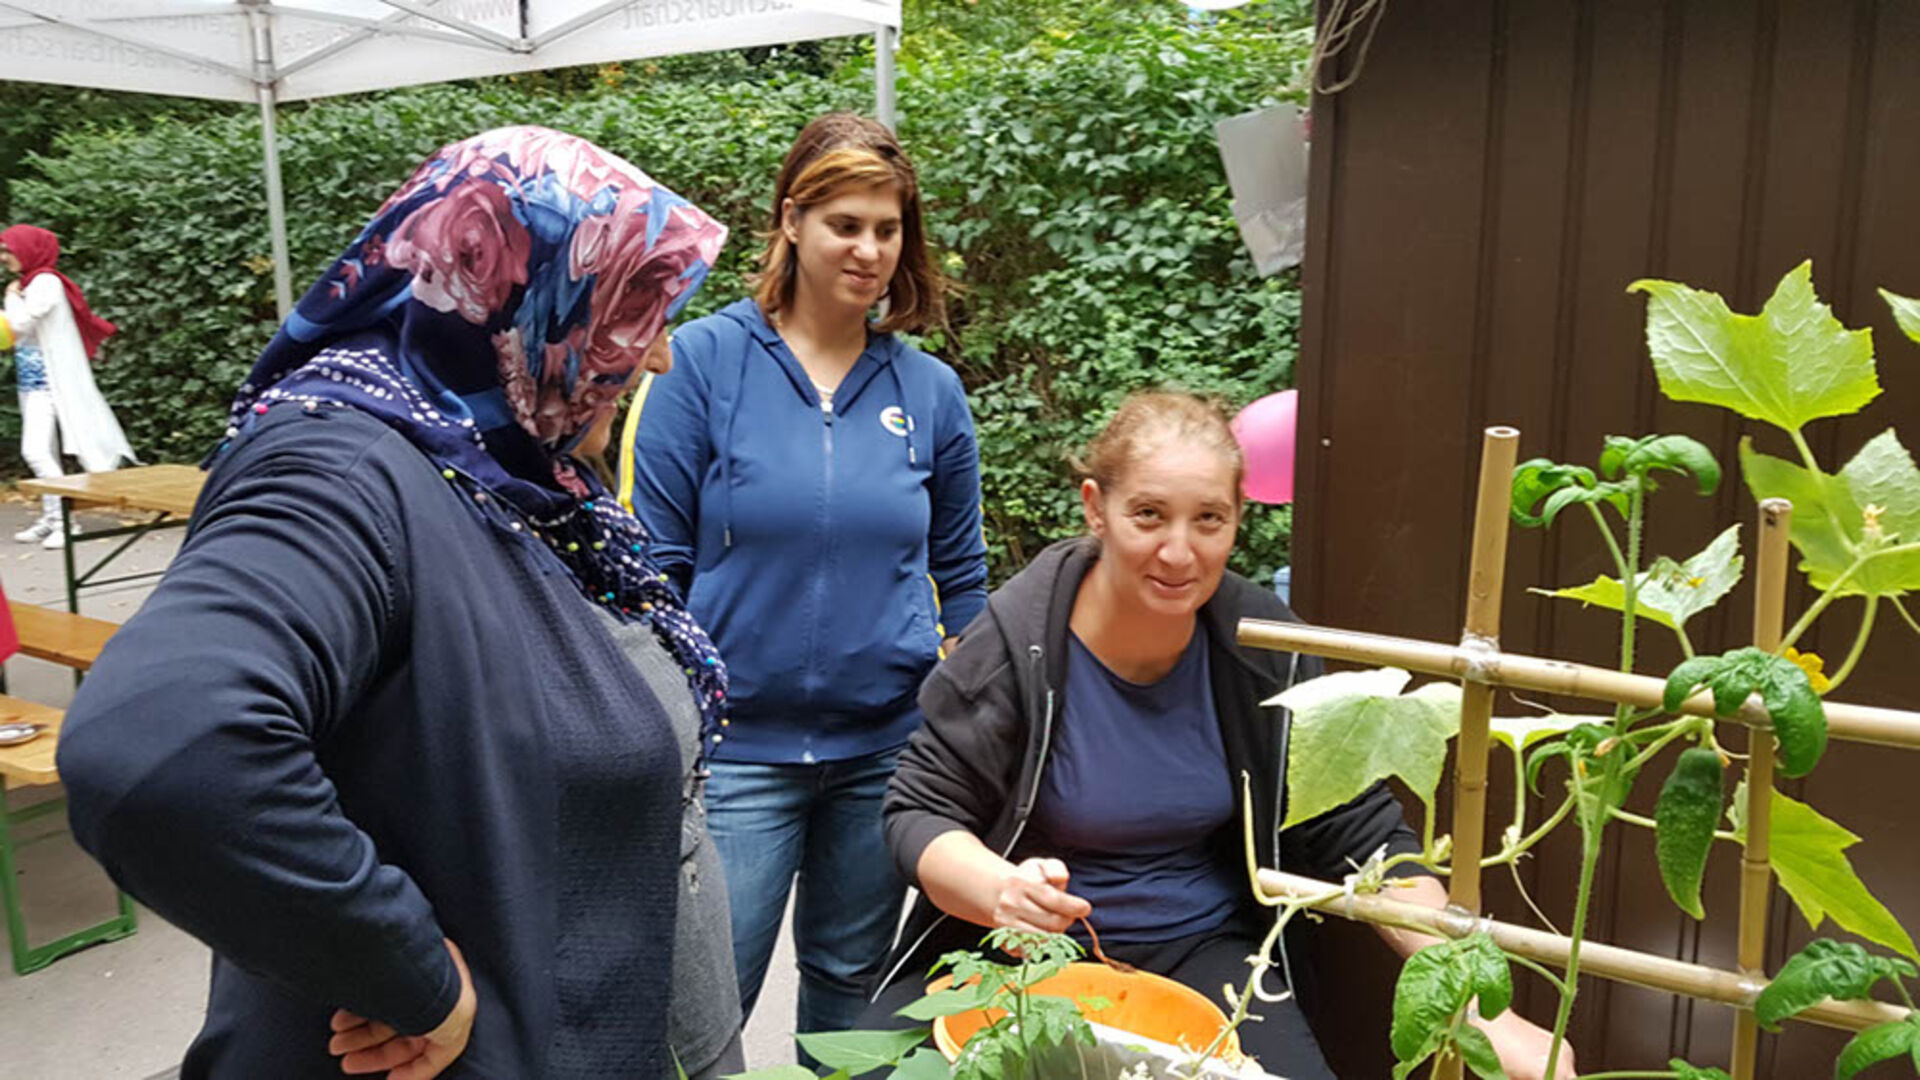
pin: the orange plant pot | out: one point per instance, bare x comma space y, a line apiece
1138, 1003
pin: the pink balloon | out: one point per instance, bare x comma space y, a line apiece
1265, 432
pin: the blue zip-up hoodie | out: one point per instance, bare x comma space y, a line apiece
826, 551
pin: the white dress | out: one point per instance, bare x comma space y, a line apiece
88, 429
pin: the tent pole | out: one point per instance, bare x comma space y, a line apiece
884, 40
264, 80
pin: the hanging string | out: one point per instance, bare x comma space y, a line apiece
1337, 36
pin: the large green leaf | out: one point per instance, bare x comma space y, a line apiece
1885, 485
1492, 973
951, 1001
1873, 503
1799, 720
1561, 486
1344, 742
1876, 1044
1789, 364
1433, 986
925, 1063
1822, 513
1808, 853
1673, 453
1670, 593
860, 1051
1519, 733
1477, 1053
788, 1071
1825, 969
1906, 312
1373, 682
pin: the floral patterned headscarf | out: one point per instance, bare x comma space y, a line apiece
490, 313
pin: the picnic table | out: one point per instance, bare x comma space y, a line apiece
26, 765
167, 492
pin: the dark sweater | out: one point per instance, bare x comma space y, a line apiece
356, 718
991, 708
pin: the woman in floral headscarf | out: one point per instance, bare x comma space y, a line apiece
411, 732
54, 334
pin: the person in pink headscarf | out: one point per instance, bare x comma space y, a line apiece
55, 336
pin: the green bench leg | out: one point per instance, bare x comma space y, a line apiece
27, 959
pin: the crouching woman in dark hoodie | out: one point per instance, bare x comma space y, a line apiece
1082, 744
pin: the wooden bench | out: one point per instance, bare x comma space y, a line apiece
72, 641
31, 764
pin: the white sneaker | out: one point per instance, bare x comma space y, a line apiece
55, 540
36, 532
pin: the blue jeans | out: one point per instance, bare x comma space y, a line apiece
818, 824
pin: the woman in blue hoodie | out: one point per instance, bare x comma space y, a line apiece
812, 486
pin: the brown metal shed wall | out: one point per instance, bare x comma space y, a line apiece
1482, 196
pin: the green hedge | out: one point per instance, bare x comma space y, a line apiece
1069, 163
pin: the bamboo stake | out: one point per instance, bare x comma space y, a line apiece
1756, 875
1499, 447
1853, 723
1606, 961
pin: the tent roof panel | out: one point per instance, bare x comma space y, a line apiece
201, 48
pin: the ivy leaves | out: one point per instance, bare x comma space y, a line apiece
1430, 1004
1066, 153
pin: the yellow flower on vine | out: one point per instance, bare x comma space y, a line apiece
1813, 666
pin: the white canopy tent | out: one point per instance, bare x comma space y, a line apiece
294, 50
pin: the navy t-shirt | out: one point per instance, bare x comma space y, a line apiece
1135, 790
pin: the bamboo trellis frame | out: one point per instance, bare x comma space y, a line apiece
1484, 669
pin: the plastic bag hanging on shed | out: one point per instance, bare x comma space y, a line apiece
1265, 153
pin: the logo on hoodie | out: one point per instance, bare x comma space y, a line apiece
896, 420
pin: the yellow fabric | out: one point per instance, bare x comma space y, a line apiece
938, 627
629, 432
6, 333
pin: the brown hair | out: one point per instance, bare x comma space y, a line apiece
842, 152
1149, 420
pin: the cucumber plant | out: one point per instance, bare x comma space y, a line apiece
1857, 531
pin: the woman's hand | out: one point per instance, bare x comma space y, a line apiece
1522, 1046
1034, 897
16, 287
368, 1046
